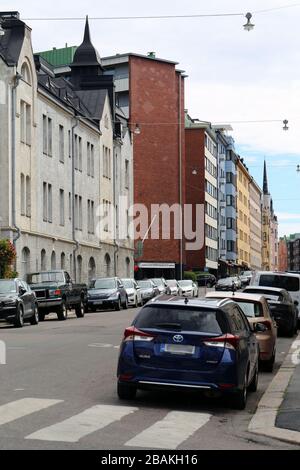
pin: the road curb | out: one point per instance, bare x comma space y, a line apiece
263, 421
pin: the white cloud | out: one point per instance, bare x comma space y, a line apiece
288, 228
287, 216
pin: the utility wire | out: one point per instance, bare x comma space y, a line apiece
163, 17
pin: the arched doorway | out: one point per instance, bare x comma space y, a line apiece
53, 260
92, 269
79, 268
62, 261
43, 260
25, 262
128, 270
107, 263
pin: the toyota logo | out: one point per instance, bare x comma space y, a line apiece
178, 338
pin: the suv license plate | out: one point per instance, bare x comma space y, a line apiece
179, 348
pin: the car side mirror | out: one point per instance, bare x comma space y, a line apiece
296, 303
138, 287
260, 328
121, 286
22, 291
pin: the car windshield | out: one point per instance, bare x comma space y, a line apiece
172, 283
227, 280
246, 273
185, 283
158, 282
183, 319
128, 283
103, 284
145, 284
289, 283
250, 309
7, 287
41, 278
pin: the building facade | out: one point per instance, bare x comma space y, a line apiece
243, 214
283, 254
58, 168
255, 195
201, 189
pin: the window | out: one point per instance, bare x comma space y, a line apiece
69, 144
43, 260
289, 283
45, 205
61, 207
230, 200
245, 201
70, 206
61, 144
79, 153
76, 211
231, 246
88, 158
211, 211
49, 203
80, 213
22, 194
230, 177
25, 121
28, 197
126, 173
106, 162
210, 167
91, 216
47, 135
211, 232
25, 72
231, 224
241, 236
211, 190
92, 161
76, 151
211, 253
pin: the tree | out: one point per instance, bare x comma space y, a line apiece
7, 258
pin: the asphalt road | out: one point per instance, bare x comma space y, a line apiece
58, 391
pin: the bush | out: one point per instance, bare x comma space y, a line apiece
190, 275
7, 258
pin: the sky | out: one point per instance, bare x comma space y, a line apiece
233, 75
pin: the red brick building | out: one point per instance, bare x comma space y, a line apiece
151, 92
282, 255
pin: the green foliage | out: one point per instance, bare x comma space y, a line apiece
7, 258
190, 275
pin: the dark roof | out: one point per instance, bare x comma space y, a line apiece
165, 299
93, 100
11, 42
265, 180
86, 54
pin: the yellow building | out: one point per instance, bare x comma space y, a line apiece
266, 224
243, 214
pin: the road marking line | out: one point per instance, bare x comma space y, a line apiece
78, 426
100, 345
176, 427
23, 407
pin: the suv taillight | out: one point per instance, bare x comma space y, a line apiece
133, 334
228, 341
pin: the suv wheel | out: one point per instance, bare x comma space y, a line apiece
34, 320
268, 365
239, 399
41, 316
19, 321
62, 312
118, 304
126, 391
125, 305
80, 309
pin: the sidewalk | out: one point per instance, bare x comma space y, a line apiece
288, 416
278, 412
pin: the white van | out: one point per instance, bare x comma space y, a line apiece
282, 280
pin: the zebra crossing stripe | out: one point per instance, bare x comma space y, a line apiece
82, 424
23, 407
170, 432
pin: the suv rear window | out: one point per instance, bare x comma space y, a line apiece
288, 283
268, 294
182, 319
250, 309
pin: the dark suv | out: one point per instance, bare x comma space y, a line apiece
206, 279
18, 303
202, 344
107, 293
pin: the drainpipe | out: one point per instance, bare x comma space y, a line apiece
116, 247
180, 177
73, 199
16, 82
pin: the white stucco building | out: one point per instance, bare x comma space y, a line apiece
65, 157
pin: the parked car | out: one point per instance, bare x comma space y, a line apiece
160, 283
203, 344
148, 290
188, 288
133, 291
18, 303
256, 309
206, 279
172, 287
228, 284
107, 293
245, 277
282, 307
287, 281
56, 292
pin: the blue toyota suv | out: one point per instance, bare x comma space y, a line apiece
199, 344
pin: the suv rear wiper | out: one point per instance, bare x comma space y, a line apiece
175, 326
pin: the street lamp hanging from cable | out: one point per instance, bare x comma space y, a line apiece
248, 26
285, 125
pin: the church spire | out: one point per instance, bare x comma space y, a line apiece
87, 36
86, 54
265, 182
